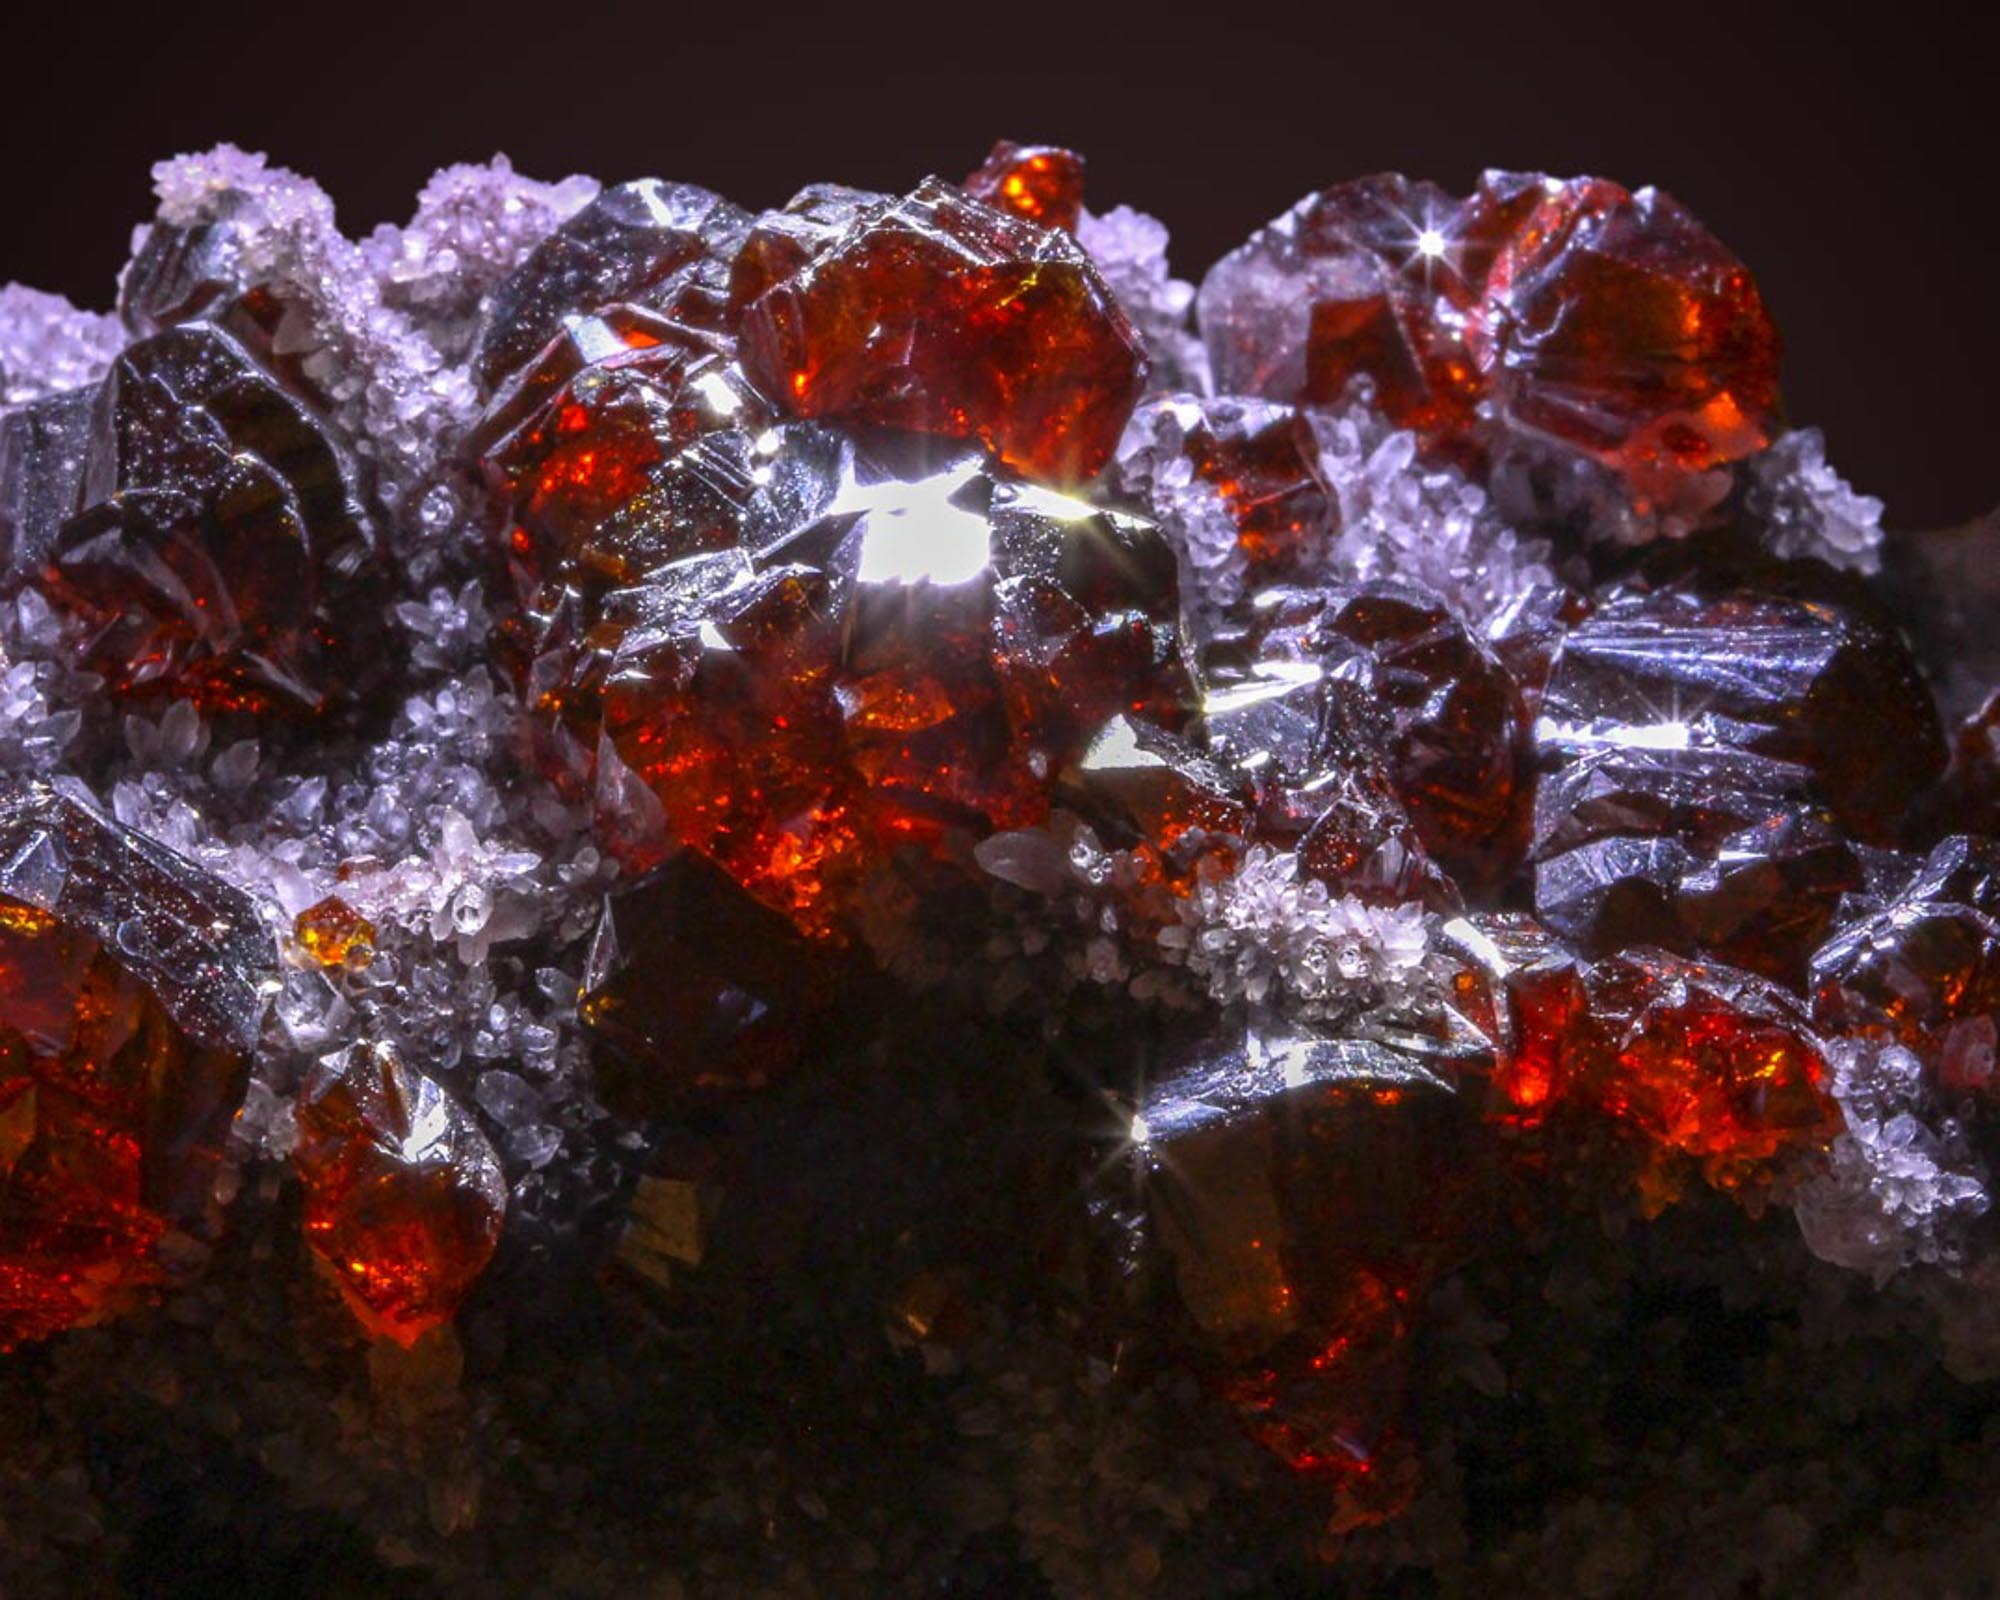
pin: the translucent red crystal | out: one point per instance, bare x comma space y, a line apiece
1701, 805
1041, 182
1616, 322
1922, 967
1303, 1195
926, 655
942, 315
129, 989
1608, 320
404, 1197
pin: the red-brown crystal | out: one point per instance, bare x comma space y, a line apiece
926, 656
1041, 182
124, 1036
1616, 322
403, 1195
942, 315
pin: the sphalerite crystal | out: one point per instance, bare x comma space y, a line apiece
403, 1193
740, 640
131, 984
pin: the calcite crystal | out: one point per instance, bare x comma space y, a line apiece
131, 984
702, 754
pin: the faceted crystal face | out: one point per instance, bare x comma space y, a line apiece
221, 552
1615, 321
1041, 182
924, 655
130, 988
335, 935
666, 246
404, 1197
1246, 478
698, 991
1923, 968
1302, 1194
1699, 1064
1610, 321
942, 315
1705, 806
1454, 727
625, 444
1702, 1062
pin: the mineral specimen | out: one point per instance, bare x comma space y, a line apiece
1706, 806
664, 246
1303, 1193
404, 1197
925, 655
131, 988
805, 709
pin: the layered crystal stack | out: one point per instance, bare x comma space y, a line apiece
481, 698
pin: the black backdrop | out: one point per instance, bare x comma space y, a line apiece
1853, 166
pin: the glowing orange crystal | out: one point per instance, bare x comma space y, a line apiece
130, 985
335, 935
404, 1197
1042, 182
1702, 1061
942, 315
1616, 322
922, 656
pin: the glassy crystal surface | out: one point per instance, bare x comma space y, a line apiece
924, 655
404, 1197
1608, 320
131, 987
942, 315
1302, 1192
1041, 182
697, 990
1923, 968
1616, 322
334, 935
42, 448
665, 246
221, 552
1713, 758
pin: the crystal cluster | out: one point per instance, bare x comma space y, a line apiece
489, 706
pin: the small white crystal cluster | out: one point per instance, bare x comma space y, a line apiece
1129, 250
1901, 1182
1404, 519
1265, 935
482, 885
473, 225
1072, 913
1806, 509
1391, 514
393, 392
47, 345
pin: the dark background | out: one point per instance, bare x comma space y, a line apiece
1852, 166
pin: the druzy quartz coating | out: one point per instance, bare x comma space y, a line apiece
600, 656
